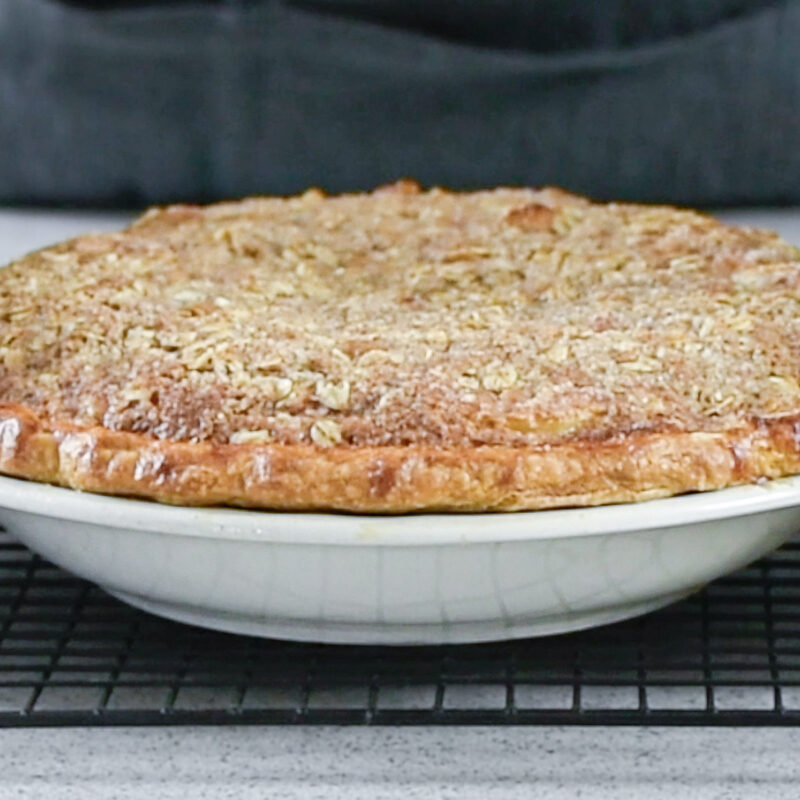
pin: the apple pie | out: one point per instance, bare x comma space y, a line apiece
404, 350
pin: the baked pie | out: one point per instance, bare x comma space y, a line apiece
404, 350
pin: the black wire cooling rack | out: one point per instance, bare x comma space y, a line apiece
72, 655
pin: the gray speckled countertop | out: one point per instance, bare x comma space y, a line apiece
375, 763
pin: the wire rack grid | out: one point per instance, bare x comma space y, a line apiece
72, 655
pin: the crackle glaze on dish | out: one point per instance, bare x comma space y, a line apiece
401, 580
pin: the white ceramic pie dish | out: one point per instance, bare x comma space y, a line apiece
429, 578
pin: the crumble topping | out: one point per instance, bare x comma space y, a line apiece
511, 316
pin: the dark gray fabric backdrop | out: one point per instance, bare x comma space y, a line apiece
688, 101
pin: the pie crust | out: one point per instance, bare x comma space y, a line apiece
404, 350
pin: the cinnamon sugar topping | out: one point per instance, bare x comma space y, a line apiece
513, 316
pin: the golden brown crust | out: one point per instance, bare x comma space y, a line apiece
403, 350
638, 466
